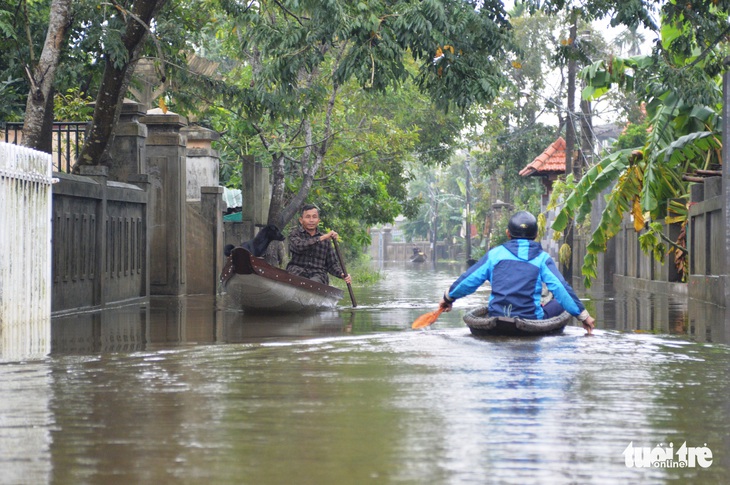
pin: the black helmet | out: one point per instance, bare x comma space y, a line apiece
522, 225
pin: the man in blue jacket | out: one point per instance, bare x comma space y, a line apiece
516, 270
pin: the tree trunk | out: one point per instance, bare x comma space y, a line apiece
41, 77
311, 160
45, 142
278, 189
114, 85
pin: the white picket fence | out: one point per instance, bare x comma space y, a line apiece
25, 253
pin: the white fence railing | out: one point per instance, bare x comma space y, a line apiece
25, 253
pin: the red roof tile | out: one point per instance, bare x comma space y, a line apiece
552, 160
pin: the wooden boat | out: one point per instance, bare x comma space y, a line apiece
418, 257
481, 324
254, 285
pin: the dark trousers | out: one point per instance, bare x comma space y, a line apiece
552, 309
316, 276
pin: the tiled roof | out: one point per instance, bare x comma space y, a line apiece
552, 160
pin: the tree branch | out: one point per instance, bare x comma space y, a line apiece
672, 243
289, 12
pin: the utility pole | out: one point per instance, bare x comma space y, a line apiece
726, 178
570, 133
434, 220
586, 137
468, 209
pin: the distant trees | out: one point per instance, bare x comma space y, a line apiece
324, 92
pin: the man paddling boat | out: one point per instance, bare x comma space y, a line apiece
312, 254
517, 270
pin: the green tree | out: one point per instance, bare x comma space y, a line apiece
296, 72
512, 137
441, 204
89, 46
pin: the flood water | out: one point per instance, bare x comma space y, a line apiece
185, 392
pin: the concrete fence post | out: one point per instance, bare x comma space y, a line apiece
202, 160
128, 151
211, 209
166, 159
725, 190
248, 189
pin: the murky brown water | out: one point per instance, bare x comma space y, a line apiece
185, 392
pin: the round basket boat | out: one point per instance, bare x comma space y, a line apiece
480, 323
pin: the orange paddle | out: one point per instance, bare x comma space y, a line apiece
427, 318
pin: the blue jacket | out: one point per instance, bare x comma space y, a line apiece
516, 270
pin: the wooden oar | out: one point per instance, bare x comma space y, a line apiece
427, 318
342, 265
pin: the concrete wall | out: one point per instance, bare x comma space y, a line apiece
118, 242
706, 242
149, 222
629, 262
100, 244
382, 248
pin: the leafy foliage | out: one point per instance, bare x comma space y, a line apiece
513, 150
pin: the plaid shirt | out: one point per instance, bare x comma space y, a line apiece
310, 256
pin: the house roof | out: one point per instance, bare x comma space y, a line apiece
551, 161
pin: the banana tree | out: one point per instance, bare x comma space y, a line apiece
645, 181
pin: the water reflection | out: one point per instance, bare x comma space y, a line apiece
168, 322
254, 328
183, 390
26, 423
22, 339
657, 313
114, 330
404, 293
708, 323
